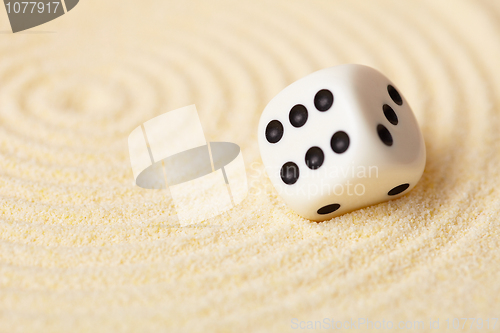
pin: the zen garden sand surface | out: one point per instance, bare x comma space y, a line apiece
83, 249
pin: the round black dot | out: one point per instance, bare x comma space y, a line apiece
289, 173
390, 114
274, 131
323, 100
298, 115
399, 189
384, 135
328, 209
395, 96
340, 142
314, 158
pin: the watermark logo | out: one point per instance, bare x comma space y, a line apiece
24, 15
334, 180
205, 179
364, 324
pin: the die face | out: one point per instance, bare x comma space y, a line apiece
324, 150
390, 130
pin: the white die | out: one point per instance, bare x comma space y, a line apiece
340, 139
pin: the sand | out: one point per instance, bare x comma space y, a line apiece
83, 249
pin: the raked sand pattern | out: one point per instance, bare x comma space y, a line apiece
83, 249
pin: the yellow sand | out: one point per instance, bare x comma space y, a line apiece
83, 249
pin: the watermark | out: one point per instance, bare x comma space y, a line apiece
320, 182
24, 15
326, 188
180, 226
205, 179
462, 324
